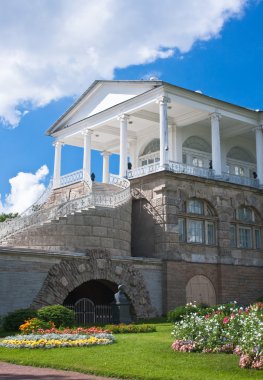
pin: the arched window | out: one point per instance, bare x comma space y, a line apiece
198, 223
196, 152
245, 231
151, 153
241, 162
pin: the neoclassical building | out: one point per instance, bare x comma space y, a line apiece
181, 220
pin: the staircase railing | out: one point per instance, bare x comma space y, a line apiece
43, 215
40, 201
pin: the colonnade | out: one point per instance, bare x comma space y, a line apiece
170, 146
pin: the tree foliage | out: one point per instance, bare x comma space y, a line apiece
4, 217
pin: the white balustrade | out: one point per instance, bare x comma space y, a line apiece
144, 170
43, 215
70, 178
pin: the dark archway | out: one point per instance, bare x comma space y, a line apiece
72, 272
100, 292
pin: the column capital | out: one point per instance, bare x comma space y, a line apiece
163, 99
57, 143
87, 132
123, 117
105, 153
215, 116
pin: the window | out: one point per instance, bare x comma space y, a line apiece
198, 162
257, 239
246, 232
194, 206
245, 237
195, 231
181, 229
233, 241
210, 233
197, 224
151, 153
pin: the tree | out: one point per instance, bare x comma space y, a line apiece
4, 217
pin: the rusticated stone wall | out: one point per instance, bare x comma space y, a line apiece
163, 197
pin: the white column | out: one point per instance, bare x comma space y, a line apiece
259, 152
123, 144
86, 152
177, 144
57, 164
171, 141
216, 145
105, 166
164, 147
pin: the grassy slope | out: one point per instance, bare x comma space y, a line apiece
136, 356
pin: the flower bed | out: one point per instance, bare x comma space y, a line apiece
52, 340
235, 330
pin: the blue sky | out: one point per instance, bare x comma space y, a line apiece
221, 56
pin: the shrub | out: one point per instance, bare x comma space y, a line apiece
181, 311
34, 324
230, 330
60, 315
13, 320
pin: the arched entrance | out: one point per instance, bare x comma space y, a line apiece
70, 273
200, 289
92, 302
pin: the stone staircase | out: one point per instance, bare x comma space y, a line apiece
78, 229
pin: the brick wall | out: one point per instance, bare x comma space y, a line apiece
231, 282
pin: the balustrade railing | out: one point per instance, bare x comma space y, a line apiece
70, 178
118, 181
177, 167
40, 216
143, 170
40, 201
197, 171
239, 180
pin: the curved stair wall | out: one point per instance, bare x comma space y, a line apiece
98, 227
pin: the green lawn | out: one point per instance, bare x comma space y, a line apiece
136, 356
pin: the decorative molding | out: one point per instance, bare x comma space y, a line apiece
215, 116
58, 143
123, 117
87, 132
163, 99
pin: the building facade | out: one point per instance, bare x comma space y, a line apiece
181, 222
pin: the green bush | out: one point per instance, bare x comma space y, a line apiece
60, 315
13, 320
179, 312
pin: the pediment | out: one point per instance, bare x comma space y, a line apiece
100, 96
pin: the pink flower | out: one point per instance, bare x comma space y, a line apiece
245, 361
225, 320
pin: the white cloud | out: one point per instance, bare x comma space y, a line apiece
26, 188
50, 49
